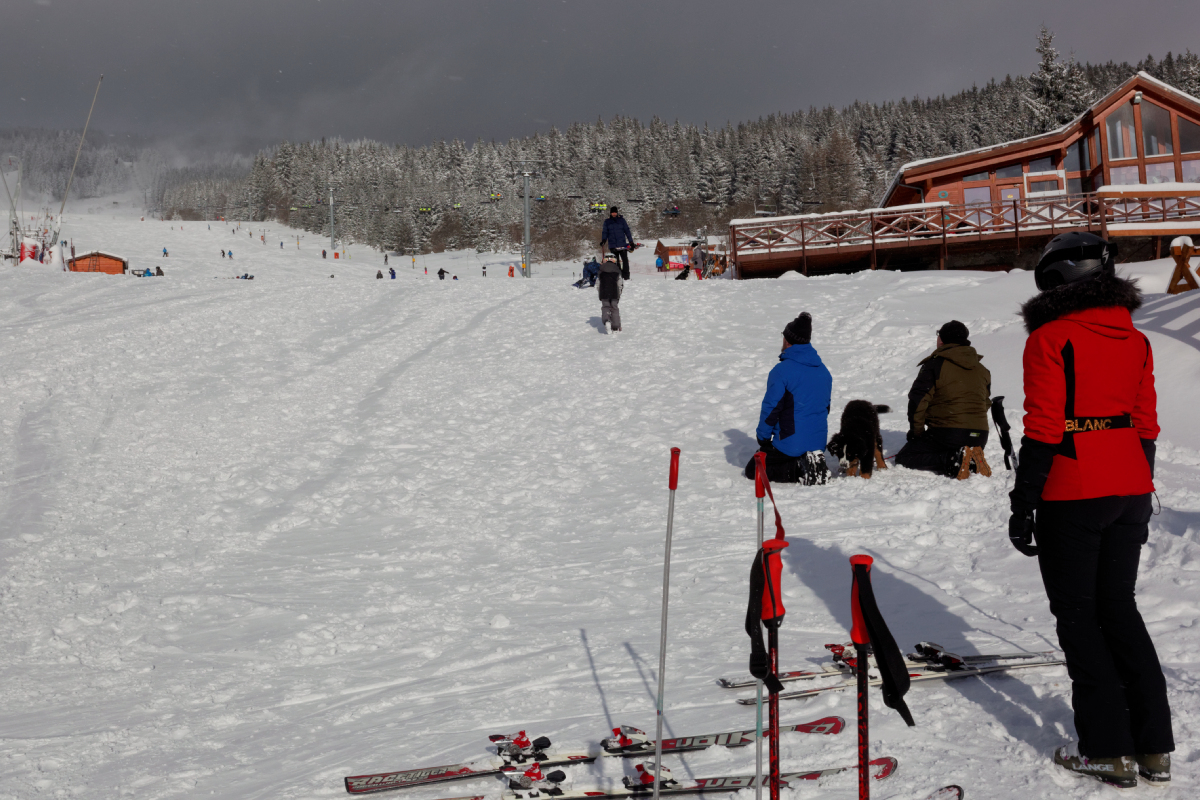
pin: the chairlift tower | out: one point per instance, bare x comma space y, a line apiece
526, 167
332, 247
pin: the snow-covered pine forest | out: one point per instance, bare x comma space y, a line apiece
451, 195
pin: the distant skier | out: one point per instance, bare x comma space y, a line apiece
322, 254
793, 424
164, 252
385, 259
158, 271
231, 255
222, 254
441, 273
612, 284
281, 245
616, 234
485, 270
392, 272
379, 275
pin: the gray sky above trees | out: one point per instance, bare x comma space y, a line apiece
239, 75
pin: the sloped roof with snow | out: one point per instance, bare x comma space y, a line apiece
1141, 79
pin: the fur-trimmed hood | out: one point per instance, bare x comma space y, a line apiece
1102, 292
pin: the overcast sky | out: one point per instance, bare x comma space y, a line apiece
240, 74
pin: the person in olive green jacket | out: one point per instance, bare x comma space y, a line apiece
948, 409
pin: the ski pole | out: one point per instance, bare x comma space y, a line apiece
672, 482
760, 472
861, 639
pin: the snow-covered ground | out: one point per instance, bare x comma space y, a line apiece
256, 536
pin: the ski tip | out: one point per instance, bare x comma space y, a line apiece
884, 767
952, 792
825, 725
725, 683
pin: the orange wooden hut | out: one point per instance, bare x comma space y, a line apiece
96, 261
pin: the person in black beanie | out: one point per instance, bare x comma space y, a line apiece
616, 235
948, 407
793, 423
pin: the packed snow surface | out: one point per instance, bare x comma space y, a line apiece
259, 535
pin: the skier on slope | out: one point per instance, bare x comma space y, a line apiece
611, 285
793, 424
1083, 485
620, 241
441, 273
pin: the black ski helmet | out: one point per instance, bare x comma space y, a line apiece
1073, 257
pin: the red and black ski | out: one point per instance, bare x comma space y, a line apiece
515, 751
881, 768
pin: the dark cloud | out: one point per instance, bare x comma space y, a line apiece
242, 74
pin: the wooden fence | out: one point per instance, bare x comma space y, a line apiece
946, 224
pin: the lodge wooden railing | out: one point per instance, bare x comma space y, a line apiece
943, 223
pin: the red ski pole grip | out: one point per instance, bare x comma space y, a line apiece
860, 565
674, 479
760, 474
772, 602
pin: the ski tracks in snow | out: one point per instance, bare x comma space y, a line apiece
264, 534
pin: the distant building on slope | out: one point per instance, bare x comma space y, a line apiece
96, 261
995, 207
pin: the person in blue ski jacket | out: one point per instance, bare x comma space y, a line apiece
620, 241
793, 425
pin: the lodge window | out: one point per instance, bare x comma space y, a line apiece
1077, 158
1043, 186
1118, 127
1189, 136
1041, 165
1079, 185
1156, 130
1011, 171
1124, 176
1191, 171
978, 176
1162, 172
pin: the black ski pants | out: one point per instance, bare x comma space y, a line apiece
622, 259
1088, 551
809, 469
934, 450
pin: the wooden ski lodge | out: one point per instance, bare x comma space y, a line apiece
1127, 167
95, 261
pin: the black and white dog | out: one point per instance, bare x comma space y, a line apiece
857, 445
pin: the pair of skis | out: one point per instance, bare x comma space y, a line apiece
930, 662
516, 750
643, 784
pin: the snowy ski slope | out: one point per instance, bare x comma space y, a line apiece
255, 536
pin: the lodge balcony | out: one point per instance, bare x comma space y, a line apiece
986, 236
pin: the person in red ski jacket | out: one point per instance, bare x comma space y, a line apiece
1083, 486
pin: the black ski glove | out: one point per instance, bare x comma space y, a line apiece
1149, 447
1033, 469
1020, 530
765, 445
912, 434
